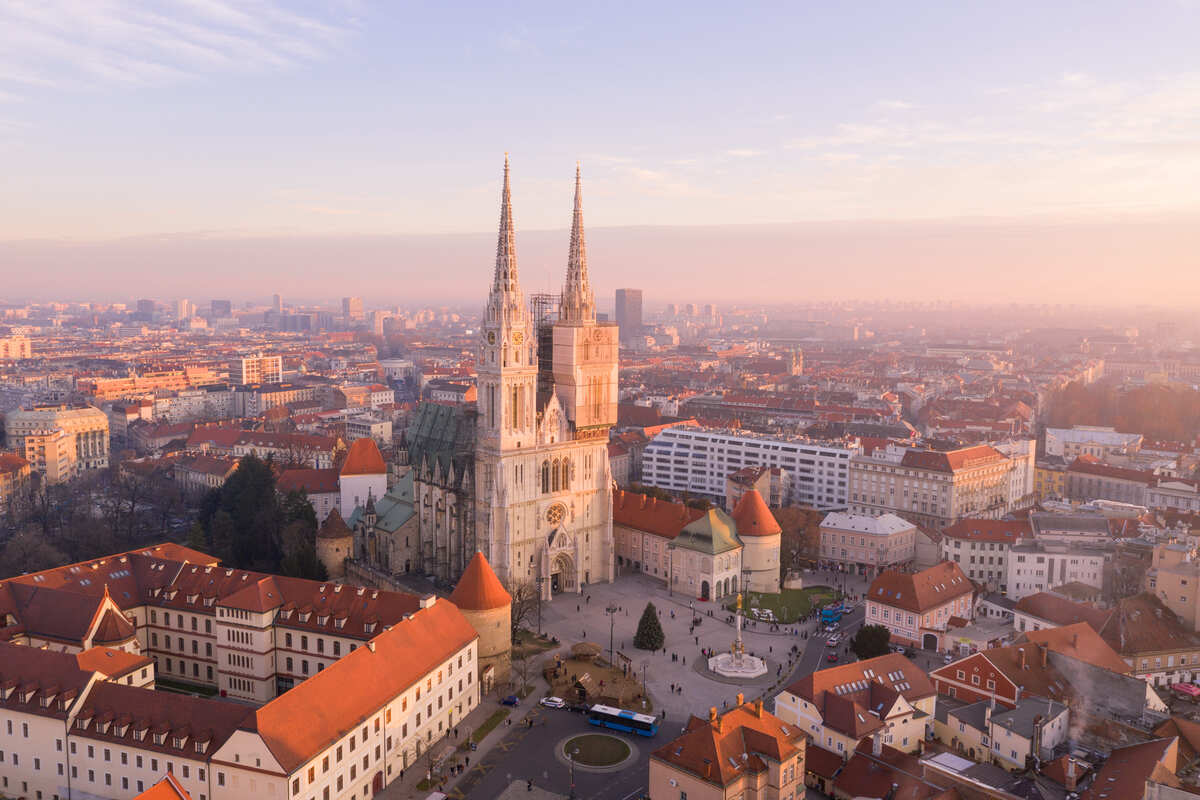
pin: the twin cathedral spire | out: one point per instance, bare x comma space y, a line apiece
577, 303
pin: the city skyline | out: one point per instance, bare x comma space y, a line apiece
902, 143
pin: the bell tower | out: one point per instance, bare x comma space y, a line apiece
507, 367
585, 352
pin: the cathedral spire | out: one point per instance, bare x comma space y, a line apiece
505, 279
578, 304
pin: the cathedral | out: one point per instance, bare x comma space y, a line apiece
523, 475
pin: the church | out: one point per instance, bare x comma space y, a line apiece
523, 474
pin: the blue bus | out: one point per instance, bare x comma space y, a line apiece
831, 615
621, 720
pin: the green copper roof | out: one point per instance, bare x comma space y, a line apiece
712, 534
393, 509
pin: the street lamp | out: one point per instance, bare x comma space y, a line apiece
612, 619
571, 757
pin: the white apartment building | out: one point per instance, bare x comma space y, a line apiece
87, 425
1039, 566
865, 545
1023, 455
982, 548
698, 460
365, 426
257, 369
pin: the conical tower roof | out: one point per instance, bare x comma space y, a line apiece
479, 589
753, 518
364, 458
334, 527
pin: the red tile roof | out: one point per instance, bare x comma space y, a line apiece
721, 751
1128, 770
111, 663
753, 517
312, 481
364, 458
1008, 531
1081, 642
922, 591
479, 589
334, 527
953, 460
651, 515
306, 720
1090, 465
166, 789
1061, 611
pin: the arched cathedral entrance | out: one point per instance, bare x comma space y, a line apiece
562, 574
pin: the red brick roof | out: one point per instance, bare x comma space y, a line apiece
166, 789
334, 527
922, 591
1129, 768
1090, 465
313, 481
1061, 611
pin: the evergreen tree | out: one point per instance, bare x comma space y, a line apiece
196, 539
222, 534
649, 633
871, 641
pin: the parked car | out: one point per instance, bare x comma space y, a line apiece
511, 700
834, 641
553, 702
947, 659
579, 708
832, 657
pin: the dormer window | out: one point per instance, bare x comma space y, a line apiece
140, 735
369, 627
201, 746
304, 615
209, 602
159, 738
177, 743
323, 620
191, 598
25, 698
339, 623
121, 731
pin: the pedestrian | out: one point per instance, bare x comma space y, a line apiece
585, 634
468, 761
577, 607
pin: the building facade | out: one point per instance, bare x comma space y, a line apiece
981, 548
524, 476
86, 426
257, 369
698, 461
917, 608
866, 545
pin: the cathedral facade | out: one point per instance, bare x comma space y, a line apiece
524, 476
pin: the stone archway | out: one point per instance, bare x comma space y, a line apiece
704, 593
562, 574
930, 642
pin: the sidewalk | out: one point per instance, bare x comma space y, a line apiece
406, 788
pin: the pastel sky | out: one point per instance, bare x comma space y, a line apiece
124, 119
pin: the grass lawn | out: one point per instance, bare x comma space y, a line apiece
489, 724
789, 604
597, 749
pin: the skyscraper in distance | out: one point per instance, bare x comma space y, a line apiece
629, 313
352, 307
277, 303
222, 309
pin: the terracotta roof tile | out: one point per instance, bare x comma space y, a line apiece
166, 789
753, 518
479, 589
364, 458
1081, 642
1061, 611
651, 515
334, 527
919, 592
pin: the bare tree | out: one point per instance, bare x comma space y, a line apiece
524, 605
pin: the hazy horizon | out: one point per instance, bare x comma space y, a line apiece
973, 261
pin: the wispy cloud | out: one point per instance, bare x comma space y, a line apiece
49, 43
744, 152
894, 105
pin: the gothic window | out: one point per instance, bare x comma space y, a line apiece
556, 474
545, 477
566, 474
512, 411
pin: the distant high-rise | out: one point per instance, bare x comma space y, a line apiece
145, 307
222, 309
629, 313
183, 309
352, 307
277, 303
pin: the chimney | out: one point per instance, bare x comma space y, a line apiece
1021, 657
1074, 639
876, 743
1070, 781
987, 713
1045, 654
758, 707
740, 698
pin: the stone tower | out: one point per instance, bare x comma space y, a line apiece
485, 603
335, 543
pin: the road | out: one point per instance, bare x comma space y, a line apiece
527, 753
813, 658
